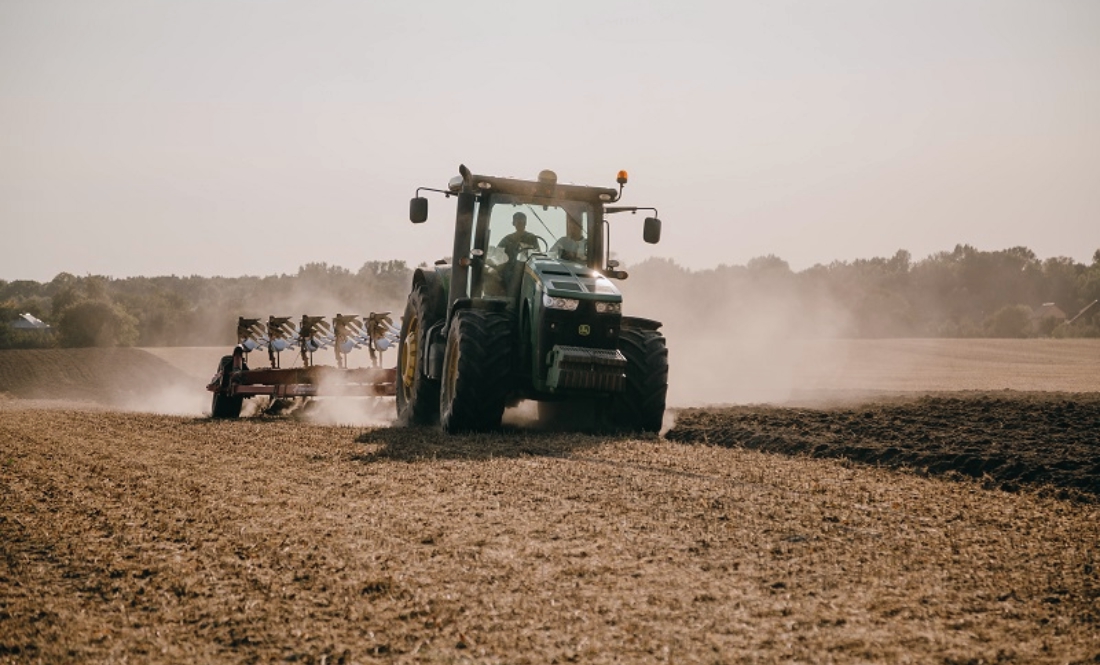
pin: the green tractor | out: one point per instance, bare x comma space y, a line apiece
526, 309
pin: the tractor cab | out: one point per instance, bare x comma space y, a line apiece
503, 223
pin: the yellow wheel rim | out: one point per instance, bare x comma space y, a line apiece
451, 374
412, 342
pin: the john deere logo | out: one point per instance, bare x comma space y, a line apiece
584, 329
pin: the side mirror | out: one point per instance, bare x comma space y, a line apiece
418, 210
651, 232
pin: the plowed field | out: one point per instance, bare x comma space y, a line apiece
1007, 440
958, 527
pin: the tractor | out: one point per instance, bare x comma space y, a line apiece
526, 309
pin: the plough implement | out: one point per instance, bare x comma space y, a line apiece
234, 381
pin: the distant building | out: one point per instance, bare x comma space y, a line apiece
1046, 318
30, 322
1048, 310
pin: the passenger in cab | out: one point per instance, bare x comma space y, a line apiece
572, 246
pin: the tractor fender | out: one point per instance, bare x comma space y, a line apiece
436, 287
639, 323
434, 284
479, 303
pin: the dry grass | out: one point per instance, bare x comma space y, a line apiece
165, 539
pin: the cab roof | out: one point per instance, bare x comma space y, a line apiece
545, 188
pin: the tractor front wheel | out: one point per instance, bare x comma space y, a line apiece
476, 371
641, 407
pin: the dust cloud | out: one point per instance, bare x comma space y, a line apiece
179, 398
524, 415
350, 410
340, 411
752, 346
179, 388
120, 378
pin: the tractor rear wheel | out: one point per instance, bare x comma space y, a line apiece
477, 371
417, 395
226, 406
641, 407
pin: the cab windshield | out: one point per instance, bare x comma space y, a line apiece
516, 230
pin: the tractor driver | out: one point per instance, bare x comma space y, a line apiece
521, 238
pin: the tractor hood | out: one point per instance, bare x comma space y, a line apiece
564, 279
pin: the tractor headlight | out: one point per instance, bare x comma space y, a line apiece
609, 307
554, 302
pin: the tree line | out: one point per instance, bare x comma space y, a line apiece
191, 311
964, 292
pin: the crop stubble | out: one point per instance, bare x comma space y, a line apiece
172, 539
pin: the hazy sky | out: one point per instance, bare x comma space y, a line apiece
229, 137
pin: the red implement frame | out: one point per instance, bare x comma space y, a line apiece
312, 381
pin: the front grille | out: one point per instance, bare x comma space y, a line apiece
581, 368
